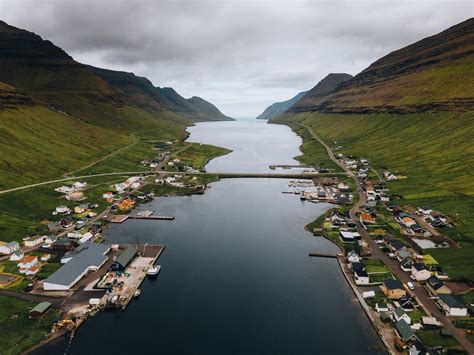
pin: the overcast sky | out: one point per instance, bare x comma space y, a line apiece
240, 55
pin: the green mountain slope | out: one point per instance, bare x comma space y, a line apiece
412, 112
278, 108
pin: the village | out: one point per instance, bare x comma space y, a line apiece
385, 257
71, 269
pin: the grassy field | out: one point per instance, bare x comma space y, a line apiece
432, 338
18, 331
198, 155
419, 146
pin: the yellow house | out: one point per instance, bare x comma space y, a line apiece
393, 289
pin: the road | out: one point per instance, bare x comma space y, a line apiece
55, 301
420, 293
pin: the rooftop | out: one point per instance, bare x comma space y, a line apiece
393, 284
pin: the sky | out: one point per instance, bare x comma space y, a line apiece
240, 55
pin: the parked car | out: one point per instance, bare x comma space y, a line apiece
410, 285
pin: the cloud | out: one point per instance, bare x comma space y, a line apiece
240, 55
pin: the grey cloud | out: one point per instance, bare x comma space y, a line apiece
240, 55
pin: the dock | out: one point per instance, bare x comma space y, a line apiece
163, 218
118, 218
323, 255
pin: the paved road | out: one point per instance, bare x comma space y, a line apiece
30, 297
420, 293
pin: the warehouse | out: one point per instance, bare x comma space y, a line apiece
90, 258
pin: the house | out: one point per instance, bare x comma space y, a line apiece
90, 258
417, 348
349, 237
441, 275
408, 222
17, 255
8, 248
45, 257
49, 240
399, 313
40, 309
452, 305
33, 241
406, 303
393, 289
108, 195
353, 257
395, 245
64, 244
424, 210
361, 277
31, 271
83, 207
417, 229
406, 264
75, 196
403, 254
27, 262
366, 218
64, 189
54, 227
125, 258
437, 287
343, 187
79, 185
419, 272
430, 322
405, 335
62, 210
381, 307
85, 238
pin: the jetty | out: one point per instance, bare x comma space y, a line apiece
163, 218
322, 255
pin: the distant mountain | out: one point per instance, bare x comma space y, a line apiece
279, 107
434, 74
52, 78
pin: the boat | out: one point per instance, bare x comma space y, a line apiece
302, 196
154, 270
146, 213
137, 293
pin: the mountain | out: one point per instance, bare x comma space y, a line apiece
412, 111
57, 115
279, 107
424, 76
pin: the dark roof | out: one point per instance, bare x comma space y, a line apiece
392, 284
404, 330
127, 256
435, 283
396, 244
361, 272
419, 266
452, 301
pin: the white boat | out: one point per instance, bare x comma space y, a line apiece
146, 213
137, 293
154, 270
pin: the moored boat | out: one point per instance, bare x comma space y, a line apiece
154, 270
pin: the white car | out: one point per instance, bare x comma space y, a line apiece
410, 285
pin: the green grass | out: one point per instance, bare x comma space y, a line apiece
20, 333
375, 266
198, 155
419, 146
432, 338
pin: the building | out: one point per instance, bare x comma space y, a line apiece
16, 255
27, 263
75, 196
452, 305
40, 309
399, 313
90, 258
366, 218
33, 241
395, 245
62, 210
125, 258
349, 237
8, 248
419, 272
437, 287
393, 289
48, 241
404, 334
64, 244
361, 277
353, 257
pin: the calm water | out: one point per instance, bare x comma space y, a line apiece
236, 277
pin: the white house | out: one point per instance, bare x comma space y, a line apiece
108, 195
45, 257
425, 210
79, 185
48, 241
33, 241
399, 313
17, 255
361, 277
452, 305
27, 263
419, 272
31, 271
381, 307
64, 189
8, 248
353, 257
63, 210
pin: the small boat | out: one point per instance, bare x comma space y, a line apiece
302, 196
137, 293
146, 213
154, 270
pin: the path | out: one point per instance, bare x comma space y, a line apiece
55, 301
420, 293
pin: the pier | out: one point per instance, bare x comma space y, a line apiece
323, 255
162, 218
